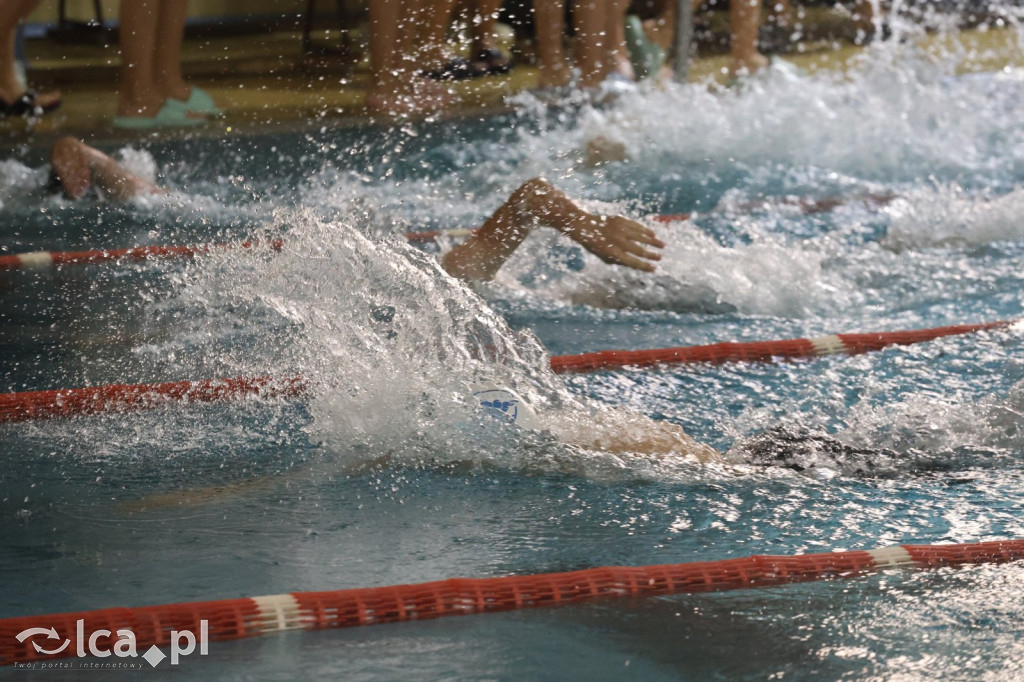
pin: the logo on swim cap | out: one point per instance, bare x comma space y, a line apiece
501, 401
508, 406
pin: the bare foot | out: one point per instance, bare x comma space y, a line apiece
70, 165
622, 67
40, 102
48, 101
146, 106
748, 66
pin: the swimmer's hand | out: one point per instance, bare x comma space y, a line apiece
615, 240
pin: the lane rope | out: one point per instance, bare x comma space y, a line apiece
255, 616
41, 260
37, 260
29, 405
68, 402
763, 351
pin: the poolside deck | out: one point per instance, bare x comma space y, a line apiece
264, 79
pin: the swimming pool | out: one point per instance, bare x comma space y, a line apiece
104, 510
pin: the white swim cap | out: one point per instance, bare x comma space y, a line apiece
509, 405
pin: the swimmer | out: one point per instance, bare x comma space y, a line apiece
614, 239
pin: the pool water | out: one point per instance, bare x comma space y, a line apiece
257, 497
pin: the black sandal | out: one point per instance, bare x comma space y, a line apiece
457, 69
494, 62
26, 106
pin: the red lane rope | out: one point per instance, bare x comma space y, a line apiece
44, 259
16, 407
24, 406
761, 351
254, 616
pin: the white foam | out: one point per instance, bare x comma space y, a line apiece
949, 216
18, 181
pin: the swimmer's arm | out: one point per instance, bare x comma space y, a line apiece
659, 439
623, 431
115, 182
613, 239
195, 497
78, 166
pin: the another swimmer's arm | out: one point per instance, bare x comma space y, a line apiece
116, 182
613, 239
78, 166
482, 255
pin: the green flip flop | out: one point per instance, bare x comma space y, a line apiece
169, 116
198, 102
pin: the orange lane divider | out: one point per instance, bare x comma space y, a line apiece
17, 407
24, 406
156, 626
46, 259
761, 351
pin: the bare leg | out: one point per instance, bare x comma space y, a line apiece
593, 51
744, 20
78, 166
139, 95
392, 89
167, 76
615, 27
483, 25
11, 12
549, 18
614, 239
9, 85
864, 16
781, 13
433, 22
385, 16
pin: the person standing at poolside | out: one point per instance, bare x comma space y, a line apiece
154, 93
485, 59
396, 87
15, 99
600, 38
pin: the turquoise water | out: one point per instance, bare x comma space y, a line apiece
118, 510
